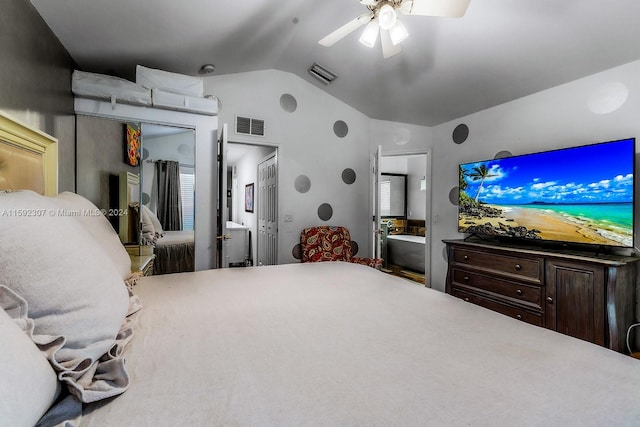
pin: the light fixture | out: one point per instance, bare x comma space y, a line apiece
370, 33
207, 69
387, 17
398, 33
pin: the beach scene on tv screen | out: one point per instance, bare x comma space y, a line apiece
579, 195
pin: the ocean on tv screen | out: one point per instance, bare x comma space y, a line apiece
581, 195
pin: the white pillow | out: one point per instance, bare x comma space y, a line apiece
99, 227
72, 287
155, 222
145, 220
28, 385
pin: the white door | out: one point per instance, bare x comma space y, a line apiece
223, 212
376, 227
267, 205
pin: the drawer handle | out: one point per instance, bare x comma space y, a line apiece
466, 258
519, 317
518, 267
466, 299
519, 292
550, 300
466, 278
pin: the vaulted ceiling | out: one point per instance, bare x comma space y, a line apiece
449, 67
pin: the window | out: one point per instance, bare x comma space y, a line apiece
187, 194
385, 198
393, 195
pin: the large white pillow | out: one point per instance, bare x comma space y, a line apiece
28, 385
155, 222
146, 224
99, 227
72, 287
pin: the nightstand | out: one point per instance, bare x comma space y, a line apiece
142, 264
141, 259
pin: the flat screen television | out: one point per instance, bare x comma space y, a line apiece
581, 195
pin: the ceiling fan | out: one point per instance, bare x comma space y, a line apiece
383, 18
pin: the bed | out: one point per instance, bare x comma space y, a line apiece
327, 343
174, 250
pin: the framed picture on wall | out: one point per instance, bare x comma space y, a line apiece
132, 145
248, 197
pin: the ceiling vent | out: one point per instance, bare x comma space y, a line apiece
322, 74
249, 126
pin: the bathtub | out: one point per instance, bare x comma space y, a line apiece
406, 251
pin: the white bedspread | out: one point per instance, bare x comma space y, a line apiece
338, 344
176, 238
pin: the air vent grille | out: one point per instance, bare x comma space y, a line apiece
249, 126
257, 127
322, 73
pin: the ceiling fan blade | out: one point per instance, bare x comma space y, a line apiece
444, 8
345, 30
388, 48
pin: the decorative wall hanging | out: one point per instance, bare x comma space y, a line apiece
248, 197
132, 145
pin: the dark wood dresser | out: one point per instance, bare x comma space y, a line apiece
575, 293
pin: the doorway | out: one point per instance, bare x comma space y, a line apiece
251, 205
402, 196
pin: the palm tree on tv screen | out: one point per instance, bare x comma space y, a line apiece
480, 173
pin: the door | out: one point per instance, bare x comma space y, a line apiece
267, 204
223, 212
575, 300
376, 226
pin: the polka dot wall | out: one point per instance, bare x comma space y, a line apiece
304, 183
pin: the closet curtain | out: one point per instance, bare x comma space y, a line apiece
169, 201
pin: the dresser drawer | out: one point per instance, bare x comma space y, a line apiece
507, 310
529, 269
527, 294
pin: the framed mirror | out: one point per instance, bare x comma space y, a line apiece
393, 195
106, 176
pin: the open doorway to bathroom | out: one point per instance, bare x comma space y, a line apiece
404, 207
251, 209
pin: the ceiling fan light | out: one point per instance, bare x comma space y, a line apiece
398, 33
387, 17
370, 34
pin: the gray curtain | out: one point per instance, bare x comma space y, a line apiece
169, 201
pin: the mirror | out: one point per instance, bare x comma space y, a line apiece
105, 177
393, 195
101, 159
167, 201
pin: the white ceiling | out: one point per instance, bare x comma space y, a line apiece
499, 51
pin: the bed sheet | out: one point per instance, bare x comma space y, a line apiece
343, 344
175, 252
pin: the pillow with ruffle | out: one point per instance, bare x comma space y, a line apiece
73, 290
155, 222
28, 385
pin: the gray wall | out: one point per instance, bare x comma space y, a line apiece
35, 76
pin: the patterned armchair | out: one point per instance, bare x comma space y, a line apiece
326, 243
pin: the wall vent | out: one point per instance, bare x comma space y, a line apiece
249, 126
322, 73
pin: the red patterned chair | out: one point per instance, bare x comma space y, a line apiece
327, 243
